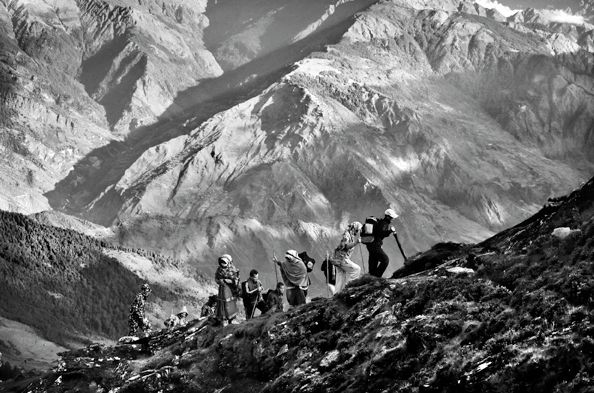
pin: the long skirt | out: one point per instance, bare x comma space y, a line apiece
226, 303
346, 272
296, 296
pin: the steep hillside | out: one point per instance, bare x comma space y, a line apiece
460, 120
68, 287
512, 314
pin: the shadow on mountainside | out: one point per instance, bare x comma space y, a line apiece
104, 166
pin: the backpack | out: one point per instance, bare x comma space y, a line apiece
309, 261
367, 230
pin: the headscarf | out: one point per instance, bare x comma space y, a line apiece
349, 236
226, 272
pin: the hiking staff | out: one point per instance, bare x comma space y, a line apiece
254, 308
400, 246
327, 273
362, 260
275, 271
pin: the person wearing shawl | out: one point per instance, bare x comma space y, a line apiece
227, 277
347, 270
294, 274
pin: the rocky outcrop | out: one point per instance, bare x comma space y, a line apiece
511, 314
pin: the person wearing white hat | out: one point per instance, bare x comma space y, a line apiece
182, 316
180, 319
378, 259
294, 274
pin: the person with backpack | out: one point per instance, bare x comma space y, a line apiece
380, 229
227, 277
294, 274
347, 270
251, 292
309, 265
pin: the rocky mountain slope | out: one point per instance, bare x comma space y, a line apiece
59, 288
460, 119
77, 74
194, 128
511, 314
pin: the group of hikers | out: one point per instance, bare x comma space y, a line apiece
295, 267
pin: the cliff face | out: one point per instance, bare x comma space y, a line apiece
511, 314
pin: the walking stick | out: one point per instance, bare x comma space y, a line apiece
274, 263
400, 246
254, 308
362, 260
327, 274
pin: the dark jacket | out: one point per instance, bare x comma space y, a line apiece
251, 291
381, 230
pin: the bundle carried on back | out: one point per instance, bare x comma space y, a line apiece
367, 232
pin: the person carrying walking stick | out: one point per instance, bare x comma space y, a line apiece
374, 239
294, 274
251, 292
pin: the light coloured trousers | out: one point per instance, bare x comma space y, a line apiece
346, 272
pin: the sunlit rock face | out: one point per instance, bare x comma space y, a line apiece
253, 127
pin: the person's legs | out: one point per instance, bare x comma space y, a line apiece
132, 325
373, 261
302, 296
383, 262
291, 296
249, 308
341, 279
351, 270
144, 324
